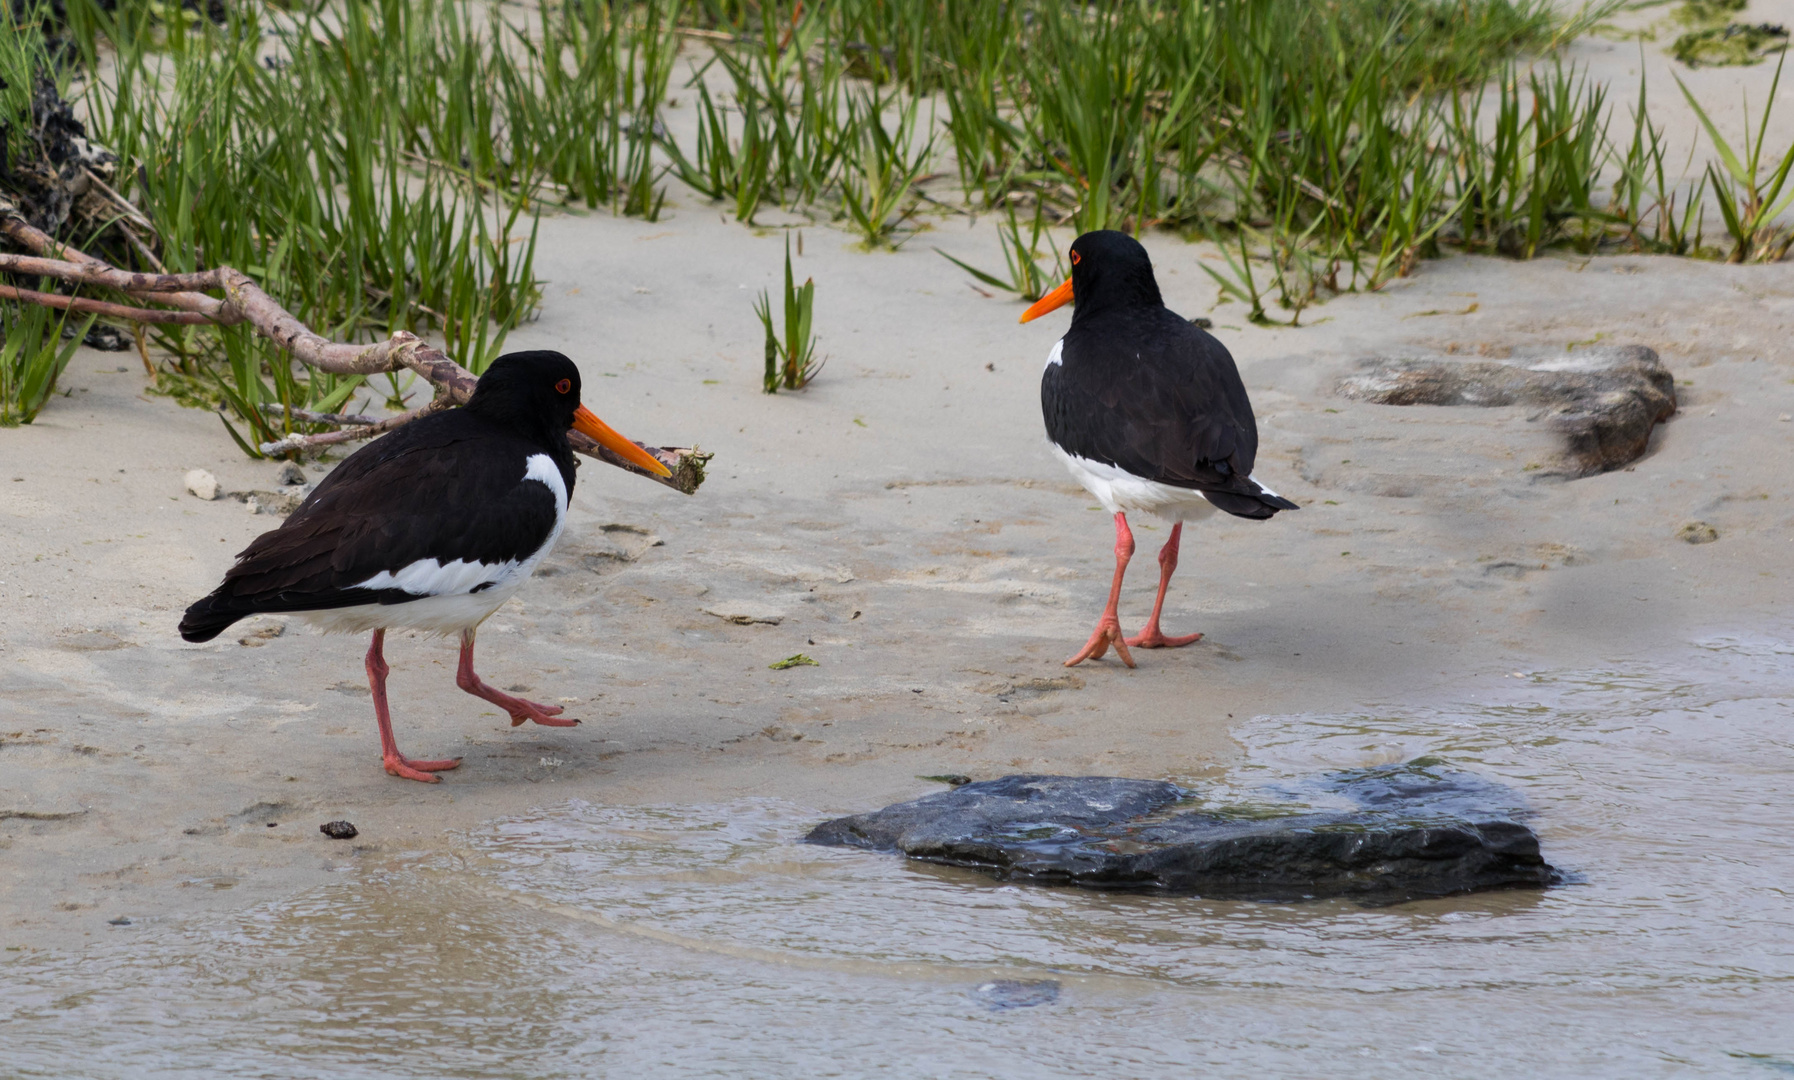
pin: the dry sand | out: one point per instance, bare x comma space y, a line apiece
905, 525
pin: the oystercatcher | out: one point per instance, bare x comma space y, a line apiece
1148, 413
431, 528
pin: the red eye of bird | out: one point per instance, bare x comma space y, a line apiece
564, 385
1074, 258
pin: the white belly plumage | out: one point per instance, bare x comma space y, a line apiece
1120, 491
452, 597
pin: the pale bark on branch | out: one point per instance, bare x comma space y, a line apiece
101, 307
245, 302
355, 432
306, 416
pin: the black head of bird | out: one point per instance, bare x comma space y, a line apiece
536, 394
1109, 270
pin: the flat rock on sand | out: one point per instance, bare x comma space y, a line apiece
1603, 400
1393, 833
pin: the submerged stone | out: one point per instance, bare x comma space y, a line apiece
1002, 994
1384, 834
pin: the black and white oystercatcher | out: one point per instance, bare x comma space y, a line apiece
1149, 414
431, 528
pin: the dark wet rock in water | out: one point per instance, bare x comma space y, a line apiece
339, 830
1390, 833
1001, 994
1603, 400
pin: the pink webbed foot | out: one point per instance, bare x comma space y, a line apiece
522, 709
1108, 632
401, 766
1151, 638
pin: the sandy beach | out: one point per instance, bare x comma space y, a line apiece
904, 525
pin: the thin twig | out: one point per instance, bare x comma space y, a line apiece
102, 307
143, 249
121, 202
306, 416
93, 272
303, 443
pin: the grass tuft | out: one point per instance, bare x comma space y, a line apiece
36, 344
791, 358
1749, 200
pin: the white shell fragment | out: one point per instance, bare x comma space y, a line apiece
202, 484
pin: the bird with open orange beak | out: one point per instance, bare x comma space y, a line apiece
431, 527
1149, 414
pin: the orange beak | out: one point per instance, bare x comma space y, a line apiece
1057, 298
606, 436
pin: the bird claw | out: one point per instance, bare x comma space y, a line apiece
1108, 632
405, 768
1152, 638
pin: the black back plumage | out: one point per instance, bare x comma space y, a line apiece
1139, 387
447, 486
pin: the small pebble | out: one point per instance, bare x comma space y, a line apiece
339, 830
1003, 994
202, 484
290, 474
120, 921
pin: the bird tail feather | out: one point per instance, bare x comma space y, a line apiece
1258, 504
210, 617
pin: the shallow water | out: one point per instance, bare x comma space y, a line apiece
703, 940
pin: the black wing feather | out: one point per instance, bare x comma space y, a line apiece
1149, 393
449, 486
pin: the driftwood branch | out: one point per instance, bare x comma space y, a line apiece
353, 433
245, 302
102, 307
306, 416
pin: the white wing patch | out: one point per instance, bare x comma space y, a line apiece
428, 577
542, 469
1056, 356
